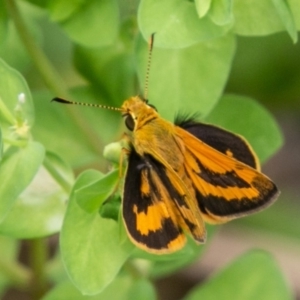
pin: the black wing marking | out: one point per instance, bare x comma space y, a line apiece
150, 217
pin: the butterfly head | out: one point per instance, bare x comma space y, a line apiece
137, 112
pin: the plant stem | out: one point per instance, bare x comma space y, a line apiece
17, 274
38, 258
51, 78
61, 180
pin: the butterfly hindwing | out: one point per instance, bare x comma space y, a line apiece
151, 218
226, 188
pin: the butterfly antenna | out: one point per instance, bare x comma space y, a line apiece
151, 41
60, 100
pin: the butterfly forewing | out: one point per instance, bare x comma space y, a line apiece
222, 140
151, 217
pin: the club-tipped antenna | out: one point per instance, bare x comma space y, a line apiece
151, 41
57, 99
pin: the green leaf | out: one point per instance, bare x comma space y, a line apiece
295, 8
66, 290
255, 275
59, 133
122, 288
248, 118
188, 80
202, 7
90, 245
141, 289
15, 97
111, 69
62, 9
176, 23
287, 18
111, 208
41, 207
17, 169
256, 17
221, 12
12, 50
95, 24
91, 197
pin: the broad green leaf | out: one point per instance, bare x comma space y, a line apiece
221, 12
12, 49
62, 9
190, 80
17, 169
41, 206
8, 255
15, 97
202, 7
141, 289
295, 8
176, 23
256, 17
286, 16
90, 245
91, 197
95, 24
66, 290
248, 118
111, 69
122, 288
255, 275
56, 128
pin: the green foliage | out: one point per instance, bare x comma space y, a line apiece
86, 239
211, 72
44, 144
257, 282
94, 15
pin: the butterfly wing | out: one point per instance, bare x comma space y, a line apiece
224, 141
226, 188
151, 214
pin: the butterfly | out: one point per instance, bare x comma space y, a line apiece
180, 176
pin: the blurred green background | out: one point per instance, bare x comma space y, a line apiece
265, 68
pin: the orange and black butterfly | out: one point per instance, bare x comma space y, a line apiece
180, 176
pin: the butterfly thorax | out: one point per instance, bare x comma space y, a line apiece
151, 134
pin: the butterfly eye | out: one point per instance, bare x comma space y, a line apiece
129, 122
